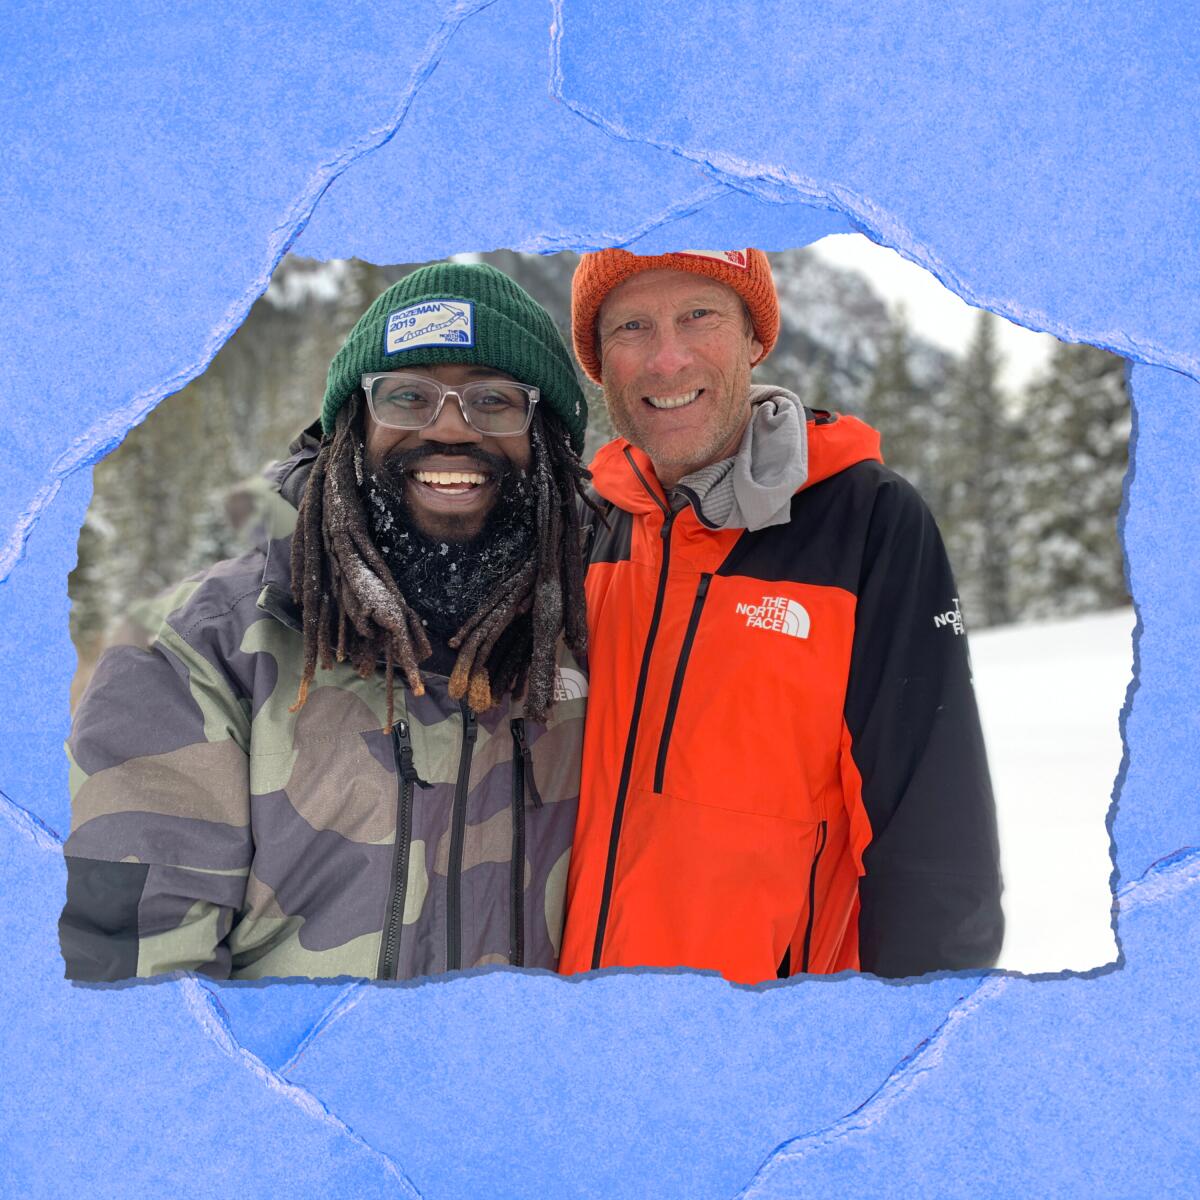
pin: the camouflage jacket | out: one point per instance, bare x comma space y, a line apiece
214, 830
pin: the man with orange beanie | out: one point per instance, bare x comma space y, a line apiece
783, 766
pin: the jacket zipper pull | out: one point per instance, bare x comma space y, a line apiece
408, 768
518, 728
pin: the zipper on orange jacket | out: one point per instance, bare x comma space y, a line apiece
685, 651
823, 834
614, 838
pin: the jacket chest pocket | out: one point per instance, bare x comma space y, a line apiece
752, 717
342, 783
331, 759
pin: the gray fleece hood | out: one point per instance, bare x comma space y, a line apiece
754, 488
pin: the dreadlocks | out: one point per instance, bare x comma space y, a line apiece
352, 607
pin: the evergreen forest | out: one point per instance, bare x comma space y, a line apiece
1026, 488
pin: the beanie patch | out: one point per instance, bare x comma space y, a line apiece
460, 313
734, 258
430, 323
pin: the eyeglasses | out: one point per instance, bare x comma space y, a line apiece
497, 407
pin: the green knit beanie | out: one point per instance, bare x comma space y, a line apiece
460, 313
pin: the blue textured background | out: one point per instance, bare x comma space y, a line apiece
1040, 159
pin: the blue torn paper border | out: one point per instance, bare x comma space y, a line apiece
1039, 160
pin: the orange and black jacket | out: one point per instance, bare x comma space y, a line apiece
783, 765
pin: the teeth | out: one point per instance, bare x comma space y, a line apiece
444, 478
673, 401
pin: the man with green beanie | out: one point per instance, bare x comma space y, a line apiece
355, 750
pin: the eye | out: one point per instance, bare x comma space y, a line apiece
491, 399
625, 331
404, 398
404, 394
697, 313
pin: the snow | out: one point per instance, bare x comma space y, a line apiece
307, 281
1050, 695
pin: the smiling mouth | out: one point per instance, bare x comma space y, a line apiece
679, 401
451, 483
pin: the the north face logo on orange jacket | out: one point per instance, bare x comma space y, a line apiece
777, 613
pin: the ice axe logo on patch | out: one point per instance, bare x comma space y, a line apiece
430, 323
451, 318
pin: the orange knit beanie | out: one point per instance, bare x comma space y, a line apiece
746, 271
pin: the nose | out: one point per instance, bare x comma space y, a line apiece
450, 428
668, 352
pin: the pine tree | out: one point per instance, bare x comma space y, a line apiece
977, 460
905, 414
1074, 450
817, 390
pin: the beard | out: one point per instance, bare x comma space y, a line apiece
447, 579
722, 412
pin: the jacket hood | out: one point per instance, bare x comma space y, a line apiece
785, 449
754, 488
289, 475
282, 485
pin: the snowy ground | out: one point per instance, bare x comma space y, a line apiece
1051, 695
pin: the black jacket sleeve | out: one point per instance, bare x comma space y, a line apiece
930, 899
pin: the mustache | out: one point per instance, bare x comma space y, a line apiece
399, 462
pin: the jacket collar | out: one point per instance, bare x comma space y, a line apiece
624, 475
